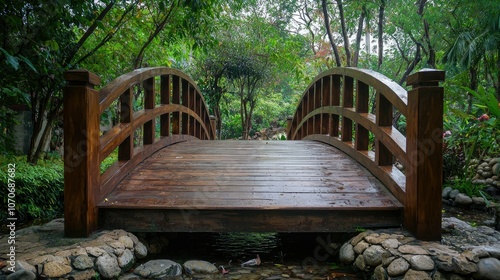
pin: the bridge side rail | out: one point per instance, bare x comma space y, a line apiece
169, 95
335, 110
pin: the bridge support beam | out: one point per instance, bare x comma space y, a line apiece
422, 214
81, 153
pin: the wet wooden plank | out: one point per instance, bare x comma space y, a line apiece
222, 177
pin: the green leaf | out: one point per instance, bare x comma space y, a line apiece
28, 62
13, 61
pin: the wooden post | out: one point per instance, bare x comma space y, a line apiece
289, 120
81, 153
213, 124
425, 155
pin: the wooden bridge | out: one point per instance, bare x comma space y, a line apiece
336, 172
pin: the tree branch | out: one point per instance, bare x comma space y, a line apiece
329, 33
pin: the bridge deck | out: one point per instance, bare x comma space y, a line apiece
249, 186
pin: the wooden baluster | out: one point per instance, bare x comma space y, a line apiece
325, 101
149, 103
126, 148
334, 130
165, 100
362, 104
185, 103
383, 157
176, 99
318, 96
311, 98
424, 151
81, 153
347, 102
192, 106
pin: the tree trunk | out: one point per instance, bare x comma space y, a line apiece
380, 34
344, 33
329, 33
358, 37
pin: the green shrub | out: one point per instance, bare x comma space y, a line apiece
38, 189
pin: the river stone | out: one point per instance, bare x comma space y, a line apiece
159, 268
361, 247
416, 275
379, 273
479, 201
196, 266
107, 266
126, 260
421, 262
390, 243
488, 268
356, 239
462, 266
20, 265
398, 267
412, 250
373, 255
55, 269
83, 262
83, 274
140, 250
127, 241
463, 199
360, 263
446, 192
494, 251
95, 251
21, 274
454, 193
346, 253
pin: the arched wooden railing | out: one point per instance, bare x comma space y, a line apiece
182, 113
335, 110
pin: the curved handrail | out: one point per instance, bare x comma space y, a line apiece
329, 100
338, 100
178, 103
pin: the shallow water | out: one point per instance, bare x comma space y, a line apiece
306, 248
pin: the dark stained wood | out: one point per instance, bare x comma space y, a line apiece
126, 148
425, 156
165, 93
85, 148
201, 220
81, 153
390, 176
420, 151
288, 182
362, 104
347, 102
149, 103
383, 155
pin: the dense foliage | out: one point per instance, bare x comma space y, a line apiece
38, 189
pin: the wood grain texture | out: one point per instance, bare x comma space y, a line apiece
81, 154
290, 181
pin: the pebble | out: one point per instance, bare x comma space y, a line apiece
108, 267
488, 268
158, 269
197, 266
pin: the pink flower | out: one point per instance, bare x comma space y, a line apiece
483, 117
446, 133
